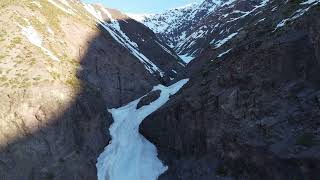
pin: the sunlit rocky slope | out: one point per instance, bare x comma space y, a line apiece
62, 64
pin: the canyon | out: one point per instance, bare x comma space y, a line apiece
223, 89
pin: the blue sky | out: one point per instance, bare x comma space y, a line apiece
142, 6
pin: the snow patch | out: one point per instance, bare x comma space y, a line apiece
186, 58
31, 34
224, 53
139, 17
298, 13
223, 41
190, 40
50, 30
129, 155
91, 10
228, 2
68, 11
310, 2
262, 4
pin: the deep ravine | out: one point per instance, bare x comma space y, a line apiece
129, 155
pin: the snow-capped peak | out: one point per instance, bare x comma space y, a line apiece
175, 26
140, 17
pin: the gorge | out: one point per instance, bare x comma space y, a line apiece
217, 89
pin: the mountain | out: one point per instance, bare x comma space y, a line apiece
251, 107
180, 27
191, 29
62, 64
89, 93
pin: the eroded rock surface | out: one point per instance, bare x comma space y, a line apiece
251, 114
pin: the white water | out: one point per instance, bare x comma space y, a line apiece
130, 156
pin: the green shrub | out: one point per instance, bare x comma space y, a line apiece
55, 75
3, 56
5, 3
3, 79
16, 40
74, 82
306, 139
52, 14
204, 73
222, 170
49, 176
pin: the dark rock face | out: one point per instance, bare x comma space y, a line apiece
252, 114
149, 98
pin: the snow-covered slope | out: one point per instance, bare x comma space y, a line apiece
192, 29
130, 155
176, 26
139, 17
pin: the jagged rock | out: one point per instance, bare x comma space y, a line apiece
149, 98
231, 102
318, 97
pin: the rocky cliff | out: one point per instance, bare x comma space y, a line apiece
251, 108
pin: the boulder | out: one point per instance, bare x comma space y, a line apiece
149, 98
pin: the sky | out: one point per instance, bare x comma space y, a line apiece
142, 6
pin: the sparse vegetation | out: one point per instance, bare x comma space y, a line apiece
52, 15
49, 176
74, 82
306, 139
17, 18
2, 56
3, 35
3, 78
16, 40
32, 61
55, 75
222, 170
5, 3
204, 73
39, 27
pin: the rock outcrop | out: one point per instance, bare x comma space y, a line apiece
252, 113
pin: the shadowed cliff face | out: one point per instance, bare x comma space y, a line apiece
251, 114
53, 130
